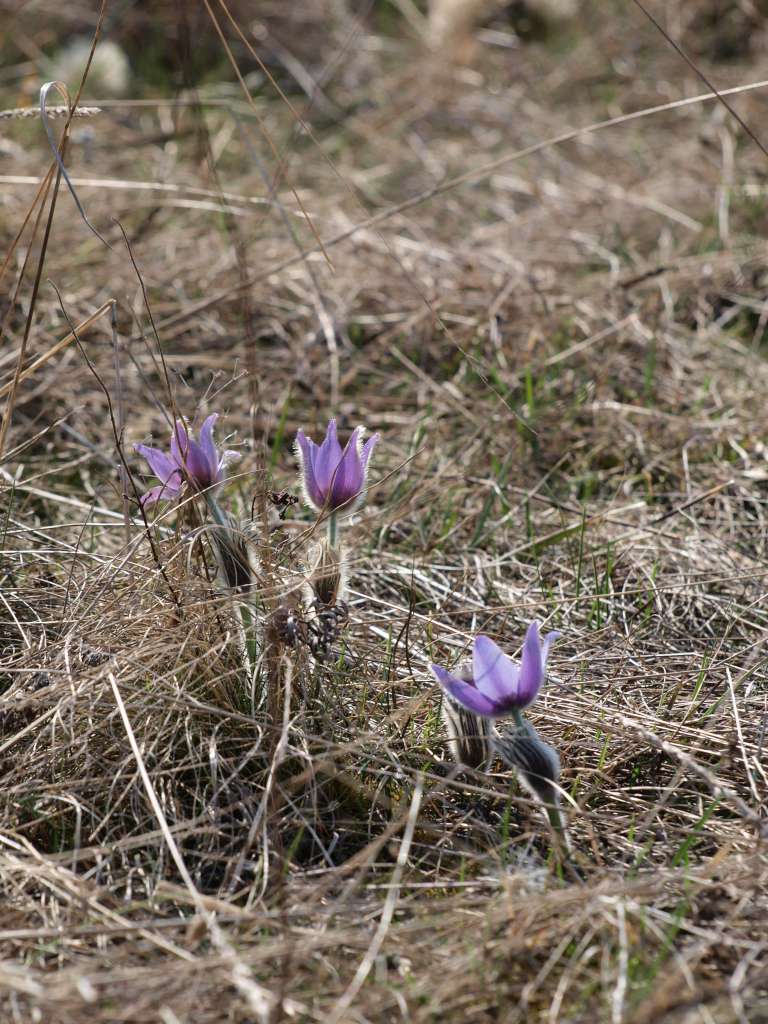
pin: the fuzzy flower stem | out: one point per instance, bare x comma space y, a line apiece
216, 511
538, 769
244, 608
248, 619
556, 821
552, 809
333, 530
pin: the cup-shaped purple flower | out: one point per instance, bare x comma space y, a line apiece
198, 462
496, 686
333, 477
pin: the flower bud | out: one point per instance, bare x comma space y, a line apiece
327, 579
230, 545
536, 762
469, 735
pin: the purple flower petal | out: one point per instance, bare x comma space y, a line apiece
494, 674
199, 469
163, 492
333, 478
305, 446
531, 667
465, 693
495, 685
179, 443
162, 465
192, 458
367, 451
196, 461
306, 450
326, 461
549, 639
207, 446
349, 476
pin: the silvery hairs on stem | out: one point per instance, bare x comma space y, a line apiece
536, 762
469, 735
475, 741
328, 574
232, 546
538, 768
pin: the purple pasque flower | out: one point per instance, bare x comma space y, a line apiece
333, 478
495, 685
198, 462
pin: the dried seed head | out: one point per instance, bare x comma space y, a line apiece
326, 627
282, 500
290, 626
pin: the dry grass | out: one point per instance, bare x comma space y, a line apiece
566, 356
